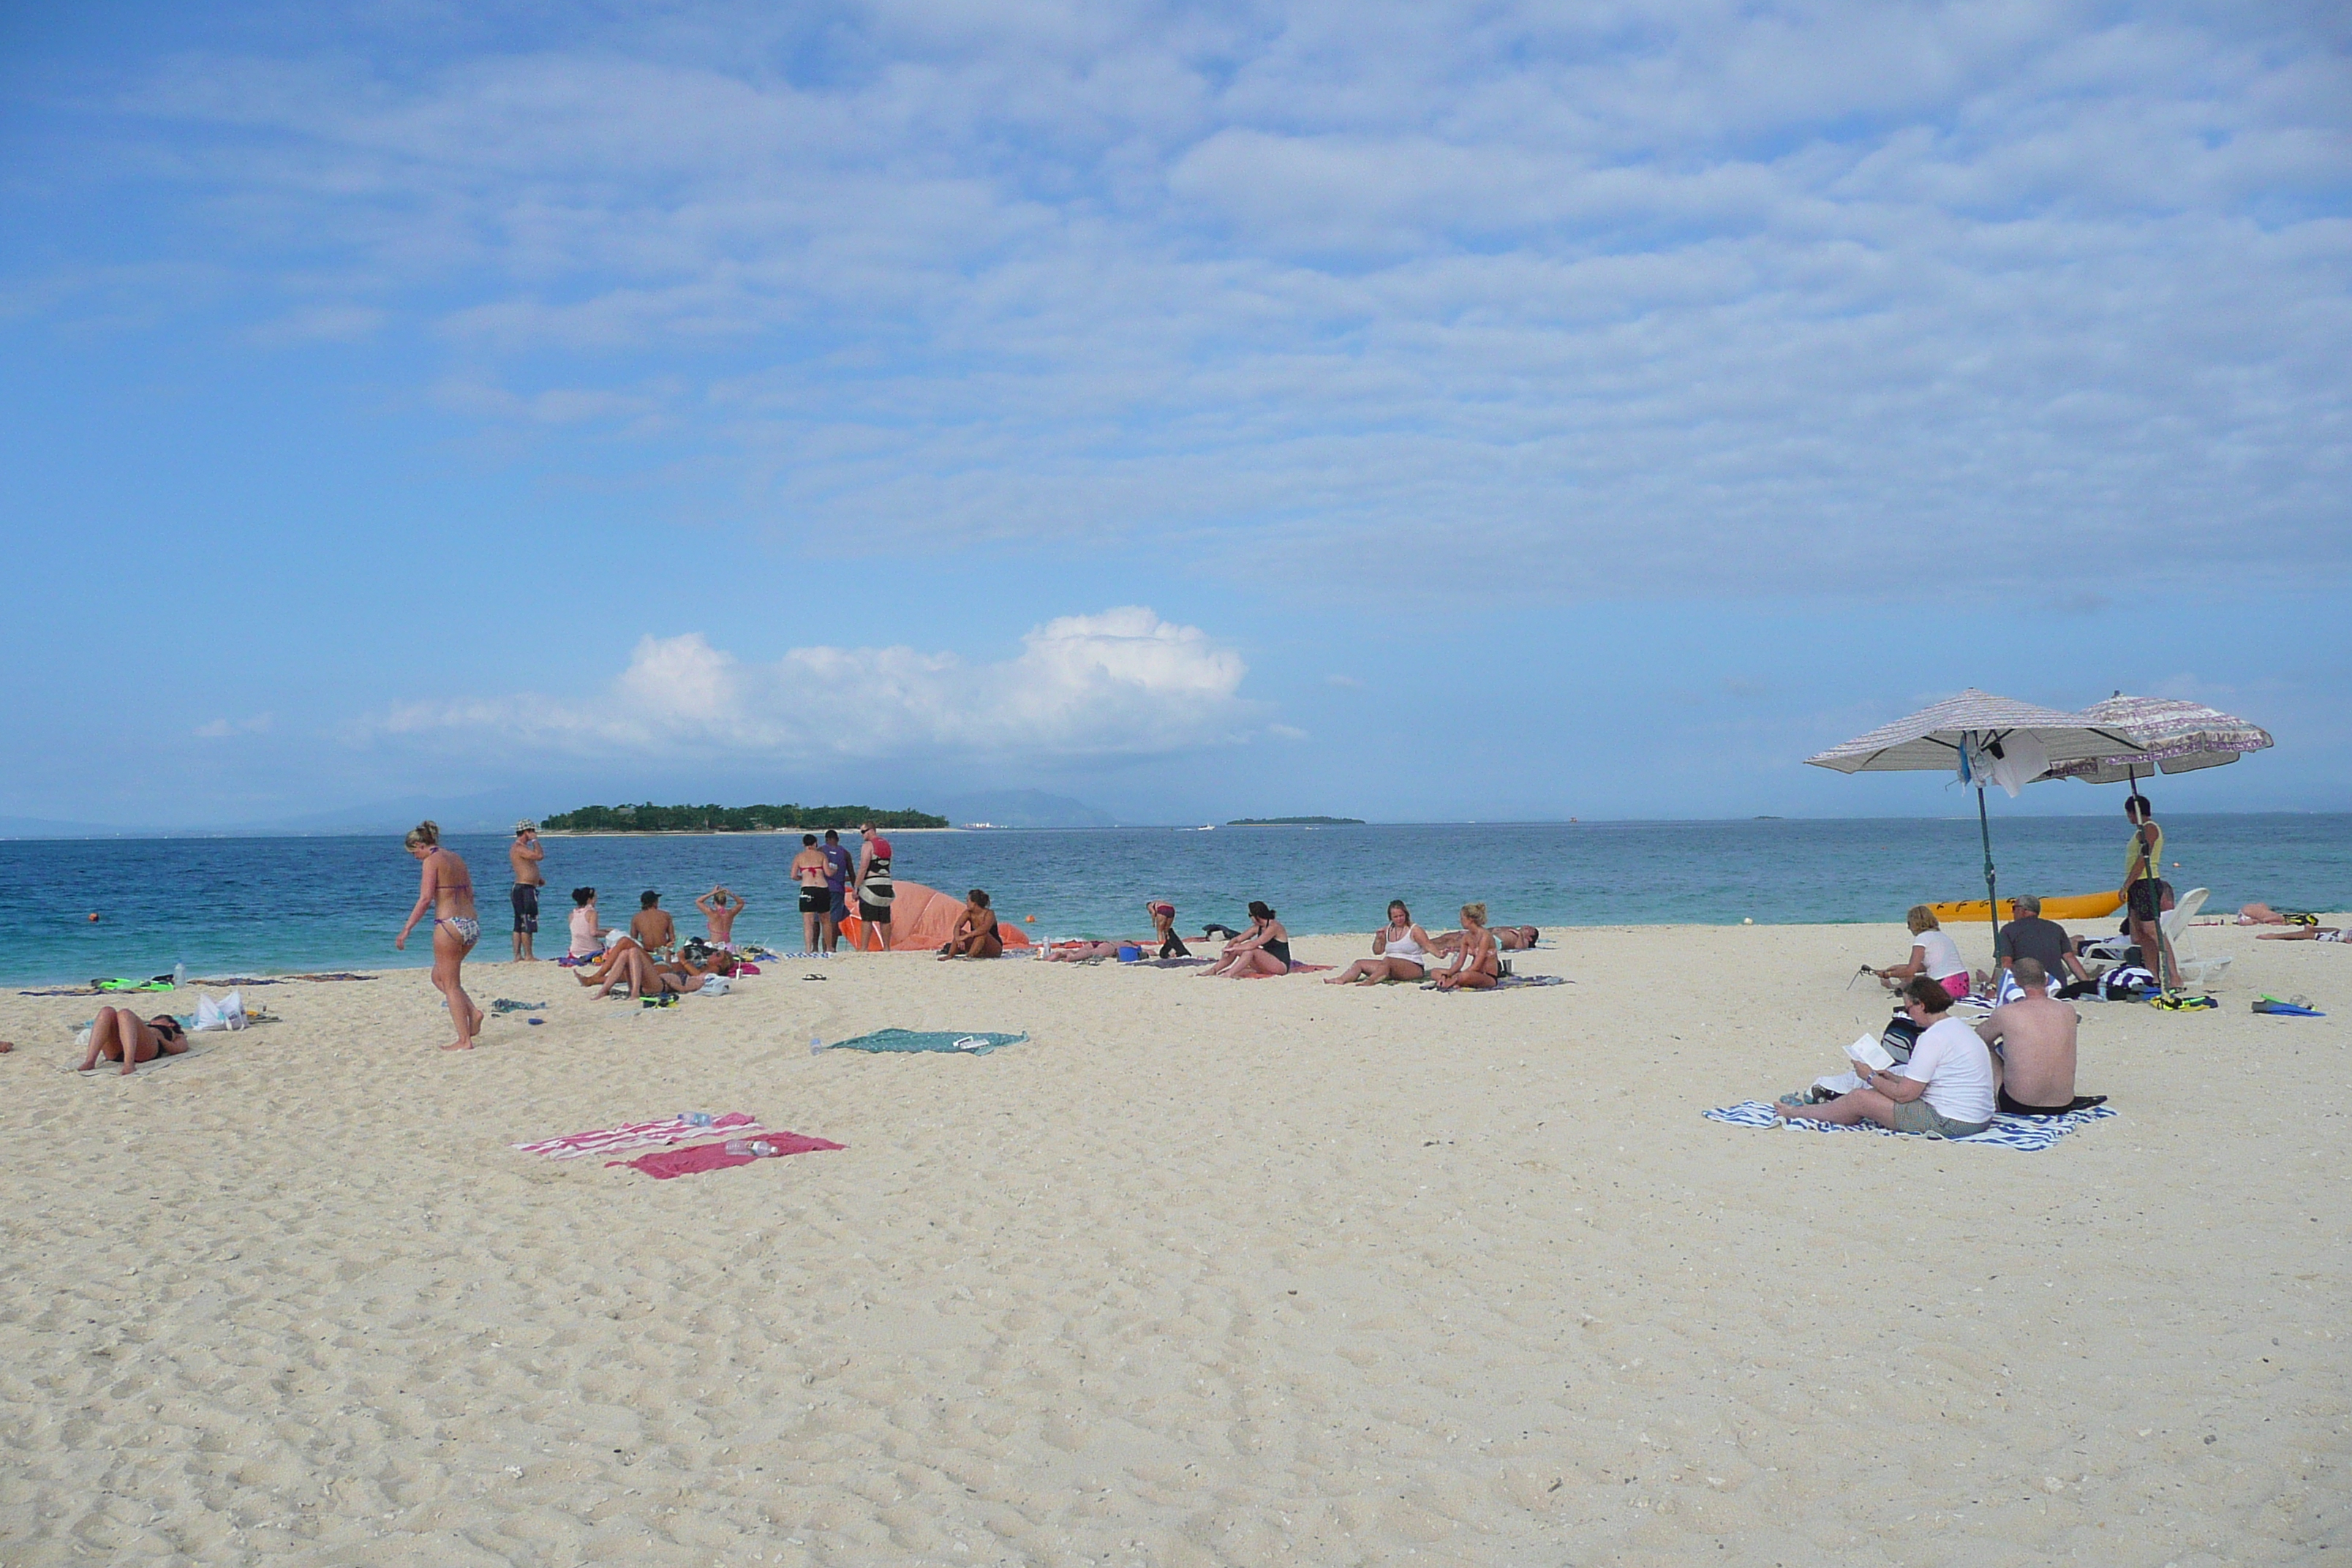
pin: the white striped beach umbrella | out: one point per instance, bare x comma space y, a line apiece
2175, 736
1985, 740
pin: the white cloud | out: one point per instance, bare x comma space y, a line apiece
1680, 295
1122, 683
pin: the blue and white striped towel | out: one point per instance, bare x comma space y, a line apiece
2009, 1131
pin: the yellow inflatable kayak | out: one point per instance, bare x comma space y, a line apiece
2081, 907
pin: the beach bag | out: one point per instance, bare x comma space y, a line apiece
716, 985
1900, 1036
226, 1013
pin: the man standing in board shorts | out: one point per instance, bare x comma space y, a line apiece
525, 855
874, 890
838, 871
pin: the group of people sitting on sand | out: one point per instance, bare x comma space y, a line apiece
1948, 1079
1402, 951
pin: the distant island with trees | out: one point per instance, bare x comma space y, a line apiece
1296, 822
652, 818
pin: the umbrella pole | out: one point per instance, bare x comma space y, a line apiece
1993, 899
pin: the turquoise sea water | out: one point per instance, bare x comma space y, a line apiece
251, 905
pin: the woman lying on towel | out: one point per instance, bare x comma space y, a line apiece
1509, 939
122, 1036
1478, 962
1945, 1090
1400, 951
646, 978
1263, 948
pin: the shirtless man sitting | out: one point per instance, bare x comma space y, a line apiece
651, 925
2033, 1041
122, 1036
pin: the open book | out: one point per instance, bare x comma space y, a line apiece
1870, 1053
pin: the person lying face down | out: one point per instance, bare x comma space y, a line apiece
2032, 1040
119, 1034
1945, 1090
1509, 939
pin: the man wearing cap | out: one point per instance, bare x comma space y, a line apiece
525, 854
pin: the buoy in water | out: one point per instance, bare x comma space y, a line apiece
1747, 920
93, 917
1029, 919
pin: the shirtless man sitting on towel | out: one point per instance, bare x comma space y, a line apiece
2033, 1041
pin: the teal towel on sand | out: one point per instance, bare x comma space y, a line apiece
927, 1040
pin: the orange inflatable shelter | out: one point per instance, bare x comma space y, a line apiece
923, 918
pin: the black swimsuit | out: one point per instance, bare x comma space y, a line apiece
1280, 949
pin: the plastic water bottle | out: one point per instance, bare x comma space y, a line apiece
759, 1148
816, 1045
179, 974
697, 1117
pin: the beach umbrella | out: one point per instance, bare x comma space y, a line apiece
2174, 736
1985, 740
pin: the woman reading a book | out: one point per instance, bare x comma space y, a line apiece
1945, 1090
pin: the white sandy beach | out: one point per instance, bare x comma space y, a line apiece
1204, 1273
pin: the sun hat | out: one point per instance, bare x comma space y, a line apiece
526, 827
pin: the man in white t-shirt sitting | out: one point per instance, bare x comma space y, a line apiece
1945, 1090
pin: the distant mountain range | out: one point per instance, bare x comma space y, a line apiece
1023, 809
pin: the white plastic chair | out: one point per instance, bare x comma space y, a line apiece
2171, 923
2193, 968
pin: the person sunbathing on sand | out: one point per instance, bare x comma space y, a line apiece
2306, 933
1400, 951
645, 977
1477, 963
2263, 915
1945, 1090
1509, 939
122, 1036
975, 932
1263, 948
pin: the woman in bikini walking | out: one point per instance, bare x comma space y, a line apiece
447, 890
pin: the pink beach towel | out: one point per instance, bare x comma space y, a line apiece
1295, 969
638, 1134
667, 1163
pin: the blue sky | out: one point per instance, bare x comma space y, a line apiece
1407, 411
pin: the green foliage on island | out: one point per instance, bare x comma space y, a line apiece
1296, 822
652, 818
